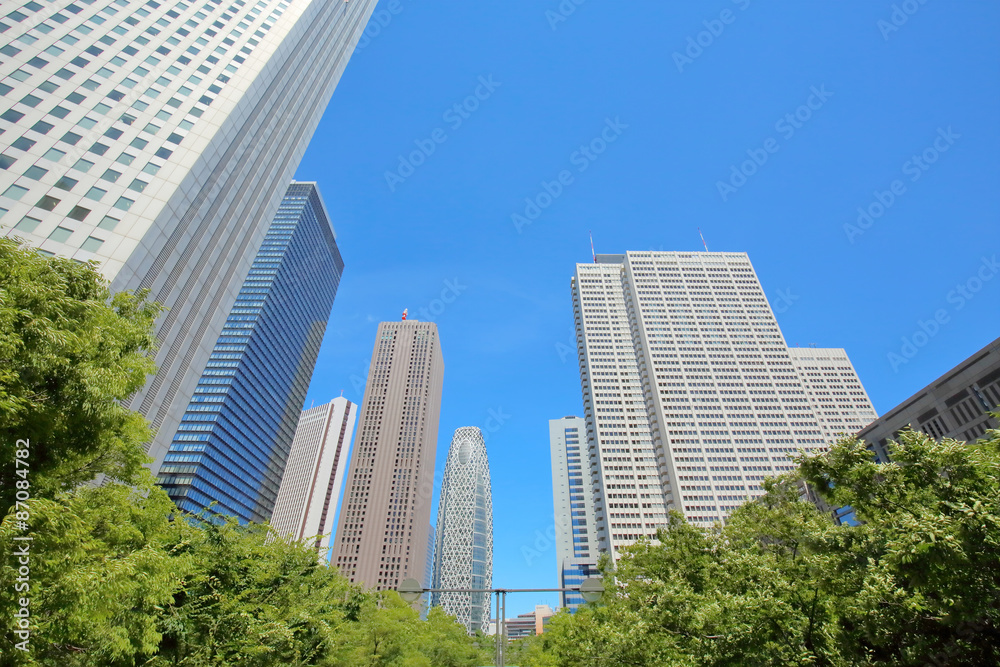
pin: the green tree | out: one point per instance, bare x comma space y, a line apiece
104, 563
69, 352
118, 576
251, 599
924, 565
918, 582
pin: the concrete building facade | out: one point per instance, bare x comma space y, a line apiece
314, 475
956, 405
691, 396
158, 137
382, 535
840, 404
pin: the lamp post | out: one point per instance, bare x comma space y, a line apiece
591, 589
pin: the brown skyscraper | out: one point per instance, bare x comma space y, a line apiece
382, 531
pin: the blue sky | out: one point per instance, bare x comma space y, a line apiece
867, 89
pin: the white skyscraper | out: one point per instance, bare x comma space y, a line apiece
839, 402
691, 395
314, 475
463, 555
573, 503
158, 138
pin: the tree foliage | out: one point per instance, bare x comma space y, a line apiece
69, 352
118, 575
916, 583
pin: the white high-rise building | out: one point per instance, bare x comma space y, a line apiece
691, 395
573, 504
158, 138
314, 474
463, 555
840, 403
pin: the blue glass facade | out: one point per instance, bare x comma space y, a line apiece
233, 440
575, 573
574, 466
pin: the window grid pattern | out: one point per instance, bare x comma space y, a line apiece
685, 346
307, 500
382, 531
234, 438
83, 83
573, 484
464, 549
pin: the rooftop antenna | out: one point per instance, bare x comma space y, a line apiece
404, 313
592, 253
702, 239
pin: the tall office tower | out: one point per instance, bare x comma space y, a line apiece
839, 402
158, 137
464, 550
382, 530
573, 501
314, 475
235, 435
956, 405
691, 396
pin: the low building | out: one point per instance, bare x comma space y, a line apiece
525, 625
956, 405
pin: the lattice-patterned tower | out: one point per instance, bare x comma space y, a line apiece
464, 550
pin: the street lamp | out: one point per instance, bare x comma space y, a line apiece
592, 589
410, 590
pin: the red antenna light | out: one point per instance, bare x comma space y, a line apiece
702, 239
592, 253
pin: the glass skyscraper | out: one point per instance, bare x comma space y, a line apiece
234, 438
573, 502
464, 549
157, 137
